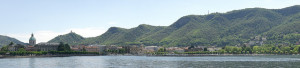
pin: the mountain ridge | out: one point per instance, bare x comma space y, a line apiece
70, 38
218, 29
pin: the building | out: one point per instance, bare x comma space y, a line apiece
95, 48
32, 40
175, 49
151, 48
134, 49
101, 48
92, 48
214, 48
78, 47
46, 46
264, 38
111, 47
30, 48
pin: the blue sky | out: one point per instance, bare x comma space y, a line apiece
90, 18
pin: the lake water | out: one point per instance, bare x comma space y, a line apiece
275, 61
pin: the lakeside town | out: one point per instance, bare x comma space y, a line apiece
255, 47
150, 34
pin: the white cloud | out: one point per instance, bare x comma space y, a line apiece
46, 35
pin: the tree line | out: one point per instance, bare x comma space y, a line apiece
264, 49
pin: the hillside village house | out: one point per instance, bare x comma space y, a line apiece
298, 43
258, 40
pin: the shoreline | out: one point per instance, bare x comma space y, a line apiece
32, 56
172, 55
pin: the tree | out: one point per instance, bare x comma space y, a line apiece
298, 49
205, 49
161, 50
84, 49
21, 49
256, 49
11, 43
248, 49
63, 47
4, 48
122, 51
67, 47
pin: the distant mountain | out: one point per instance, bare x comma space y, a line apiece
220, 29
70, 38
5, 40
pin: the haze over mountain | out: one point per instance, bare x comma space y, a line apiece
231, 28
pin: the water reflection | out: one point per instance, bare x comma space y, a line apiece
152, 62
31, 62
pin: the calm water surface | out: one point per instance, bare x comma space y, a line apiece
277, 61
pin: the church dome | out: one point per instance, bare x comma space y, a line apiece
32, 38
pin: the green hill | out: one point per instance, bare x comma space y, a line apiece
70, 38
5, 40
231, 28
121, 36
220, 29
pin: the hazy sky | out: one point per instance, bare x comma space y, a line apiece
90, 18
